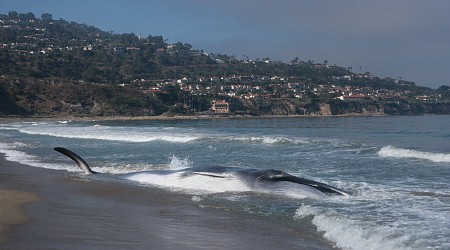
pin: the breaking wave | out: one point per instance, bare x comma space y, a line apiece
105, 133
391, 151
351, 234
268, 139
147, 134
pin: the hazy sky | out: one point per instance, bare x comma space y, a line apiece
396, 38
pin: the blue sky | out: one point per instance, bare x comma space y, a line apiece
402, 38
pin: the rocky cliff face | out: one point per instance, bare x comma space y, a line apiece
62, 98
267, 107
69, 98
336, 107
405, 108
8, 105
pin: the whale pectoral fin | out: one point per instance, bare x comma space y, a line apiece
76, 158
322, 187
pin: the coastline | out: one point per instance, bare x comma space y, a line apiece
76, 212
172, 118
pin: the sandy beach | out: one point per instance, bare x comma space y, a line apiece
11, 203
48, 209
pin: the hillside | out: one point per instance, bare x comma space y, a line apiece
56, 67
43, 48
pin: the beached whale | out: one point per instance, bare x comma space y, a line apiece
223, 179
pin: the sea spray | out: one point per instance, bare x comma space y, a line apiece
177, 163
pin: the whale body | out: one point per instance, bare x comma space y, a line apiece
225, 179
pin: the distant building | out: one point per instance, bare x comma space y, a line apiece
245, 78
159, 51
352, 98
422, 98
221, 107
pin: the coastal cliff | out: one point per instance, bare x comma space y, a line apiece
38, 98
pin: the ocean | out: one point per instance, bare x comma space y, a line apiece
397, 169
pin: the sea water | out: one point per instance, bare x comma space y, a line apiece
396, 168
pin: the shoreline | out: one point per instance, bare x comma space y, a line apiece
171, 118
75, 211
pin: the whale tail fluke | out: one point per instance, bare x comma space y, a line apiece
76, 158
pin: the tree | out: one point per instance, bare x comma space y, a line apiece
444, 88
8, 36
129, 39
126, 70
46, 17
13, 15
30, 16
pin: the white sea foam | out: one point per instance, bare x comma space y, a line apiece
391, 151
7, 128
169, 134
413, 217
12, 154
108, 134
175, 163
267, 139
197, 198
351, 234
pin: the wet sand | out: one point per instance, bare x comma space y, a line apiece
84, 212
11, 210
